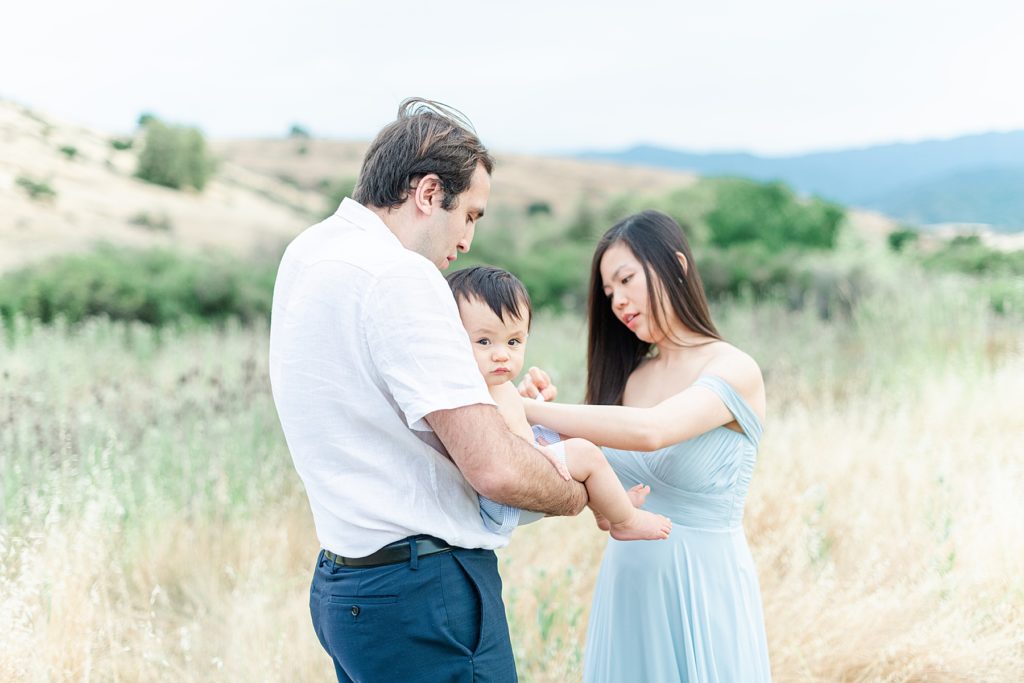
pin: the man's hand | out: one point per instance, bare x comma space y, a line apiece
537, 384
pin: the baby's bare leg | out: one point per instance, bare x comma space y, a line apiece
608, 499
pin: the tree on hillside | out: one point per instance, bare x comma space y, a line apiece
174, 156
770, 214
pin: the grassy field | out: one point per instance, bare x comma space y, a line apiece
152, 528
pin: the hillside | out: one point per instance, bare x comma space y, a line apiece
518, 180
264, 192
994, 193
98, 199
885, 177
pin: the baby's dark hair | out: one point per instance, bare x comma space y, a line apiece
502, 291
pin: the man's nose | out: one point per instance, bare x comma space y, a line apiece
467, 240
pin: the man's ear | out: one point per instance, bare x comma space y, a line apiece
683, 262
428, 194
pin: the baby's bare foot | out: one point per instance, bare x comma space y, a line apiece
602, 522
638, 494
642, 526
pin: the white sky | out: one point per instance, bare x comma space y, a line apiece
774, 77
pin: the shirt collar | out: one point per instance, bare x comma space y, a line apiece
364, 219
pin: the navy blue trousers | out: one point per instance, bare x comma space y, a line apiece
438, 618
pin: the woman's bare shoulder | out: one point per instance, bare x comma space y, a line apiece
736, 367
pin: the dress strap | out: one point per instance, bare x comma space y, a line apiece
748, 420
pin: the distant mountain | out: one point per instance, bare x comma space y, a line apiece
994, 193
912, 181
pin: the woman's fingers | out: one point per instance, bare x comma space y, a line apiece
537, 383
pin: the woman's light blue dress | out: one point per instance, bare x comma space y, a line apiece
687, 608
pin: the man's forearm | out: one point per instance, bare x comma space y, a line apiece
531, 483
503, 466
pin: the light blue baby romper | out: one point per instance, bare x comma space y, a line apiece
687, 608
503, 519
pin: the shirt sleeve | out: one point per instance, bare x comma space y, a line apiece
418, 344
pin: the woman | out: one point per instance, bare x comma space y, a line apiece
680, 410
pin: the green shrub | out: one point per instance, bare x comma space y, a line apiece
39, 190
297, 131
538, 208
156, 222
174, 156
70, 151
831, 286
156, 286
769, 213
967, 254
121, 144
902, 237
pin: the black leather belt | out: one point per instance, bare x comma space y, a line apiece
393, 553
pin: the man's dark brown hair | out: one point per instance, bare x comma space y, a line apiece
427, 137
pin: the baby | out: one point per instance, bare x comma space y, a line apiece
496, 312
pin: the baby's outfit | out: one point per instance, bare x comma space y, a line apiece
501, 518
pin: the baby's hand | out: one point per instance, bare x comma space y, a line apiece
553, 459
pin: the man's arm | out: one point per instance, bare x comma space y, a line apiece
501, 465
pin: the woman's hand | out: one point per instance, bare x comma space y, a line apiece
537, 384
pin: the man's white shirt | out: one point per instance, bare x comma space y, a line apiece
365, 341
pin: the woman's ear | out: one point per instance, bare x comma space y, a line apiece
428, 193
683, 262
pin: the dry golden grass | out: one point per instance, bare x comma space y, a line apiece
154, 531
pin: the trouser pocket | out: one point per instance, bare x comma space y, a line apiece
462, 604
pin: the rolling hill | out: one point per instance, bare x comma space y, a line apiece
935, 181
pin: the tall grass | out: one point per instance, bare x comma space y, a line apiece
152, 528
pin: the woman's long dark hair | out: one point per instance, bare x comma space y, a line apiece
613, 351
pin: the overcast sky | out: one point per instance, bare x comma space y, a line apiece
771, 77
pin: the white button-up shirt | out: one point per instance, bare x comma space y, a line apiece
365, 340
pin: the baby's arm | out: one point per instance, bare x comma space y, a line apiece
608, 500
511, 409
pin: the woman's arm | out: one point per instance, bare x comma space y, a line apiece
687, 414
693, 411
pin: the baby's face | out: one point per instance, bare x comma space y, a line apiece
499, 346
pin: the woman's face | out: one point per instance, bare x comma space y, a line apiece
625, 285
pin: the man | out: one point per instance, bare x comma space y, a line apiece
389, 422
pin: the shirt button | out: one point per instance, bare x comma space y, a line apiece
355, 610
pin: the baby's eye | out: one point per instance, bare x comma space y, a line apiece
515, 342
484, 342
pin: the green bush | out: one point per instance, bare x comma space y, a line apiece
902, 237
769, 213
967, 254
830, 285
174, 156
39, 190
298, 131
157, 222
156, 286
538, 208
70, 151
121, 144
